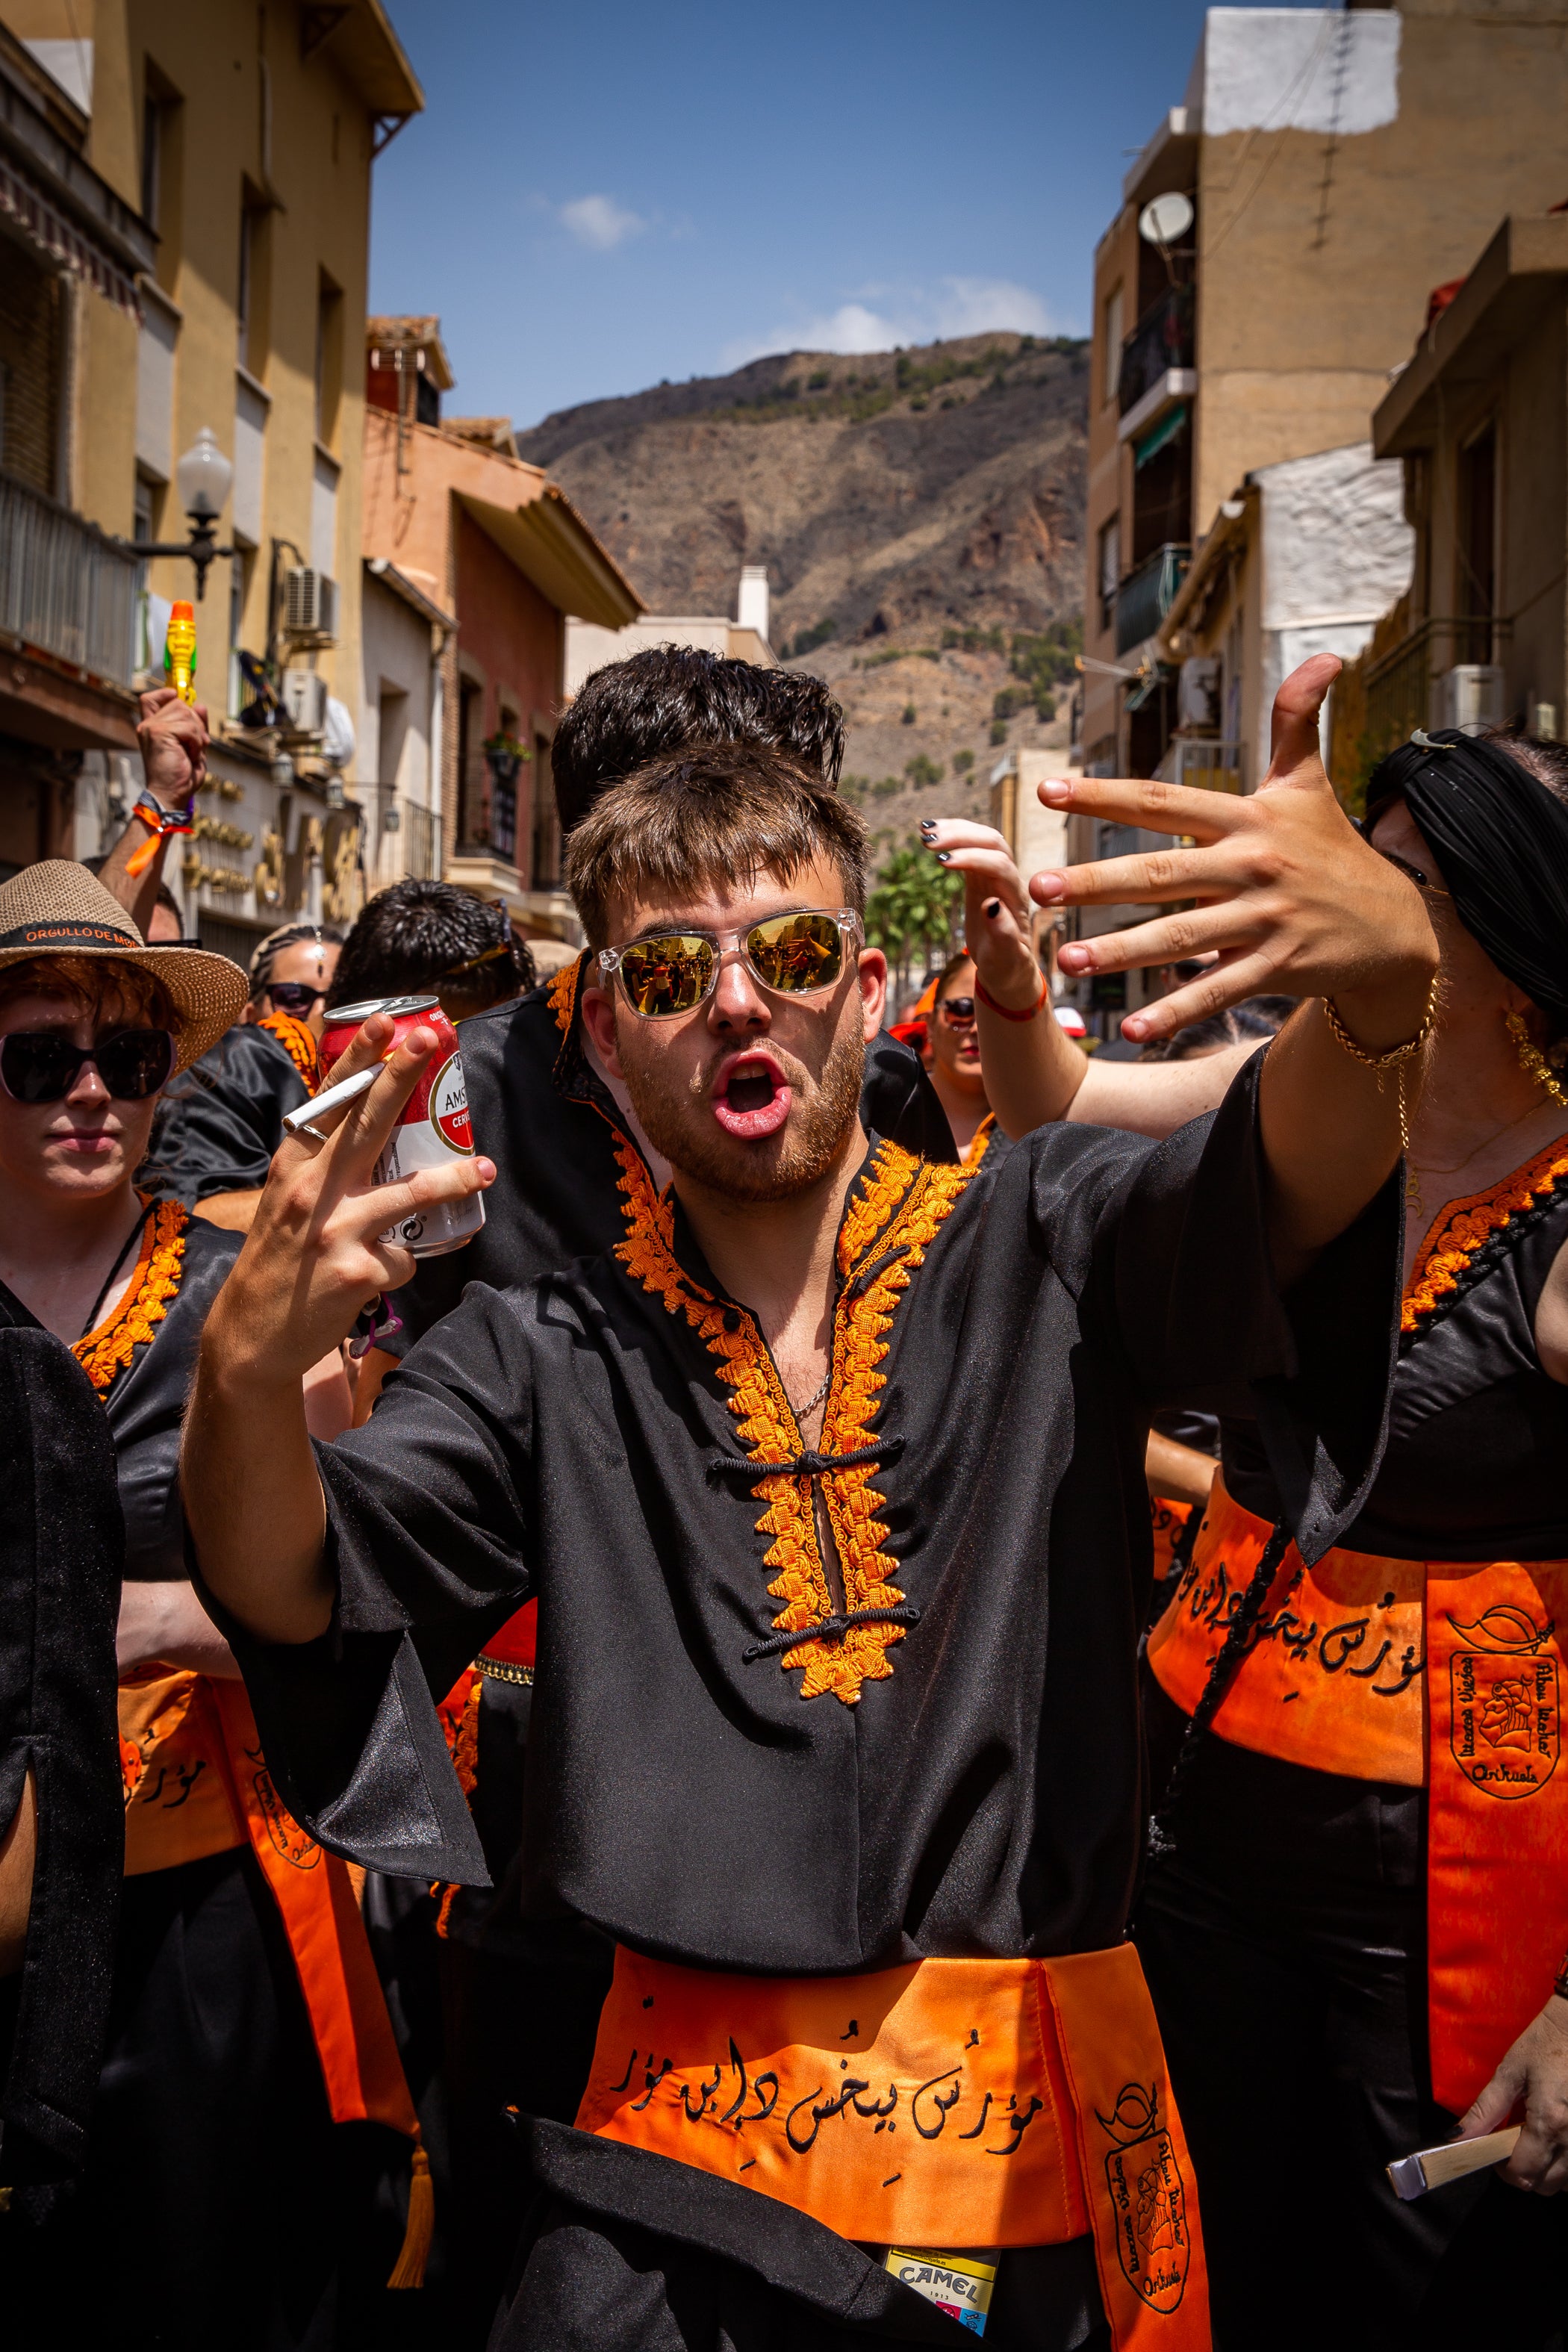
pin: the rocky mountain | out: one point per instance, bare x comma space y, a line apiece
887, 494
921, 515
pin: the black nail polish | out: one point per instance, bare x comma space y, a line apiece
994, 906
942, 856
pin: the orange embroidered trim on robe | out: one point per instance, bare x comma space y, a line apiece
299, 1045
1465, 1225
562, 995
104, 1354
903, 1201
980, 1141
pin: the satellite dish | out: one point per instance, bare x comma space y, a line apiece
1165, 218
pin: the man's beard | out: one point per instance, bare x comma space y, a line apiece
812, 1140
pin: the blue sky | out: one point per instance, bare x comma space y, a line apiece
602, 195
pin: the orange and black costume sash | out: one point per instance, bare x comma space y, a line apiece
946, 2103
1438, 1671
298, 1043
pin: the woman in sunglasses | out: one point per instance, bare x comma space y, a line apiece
951, 1057
212, 2092
220, 1124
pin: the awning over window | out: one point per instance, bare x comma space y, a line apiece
1163, 434
63, 242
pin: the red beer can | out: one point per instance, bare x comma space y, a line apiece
433, 1127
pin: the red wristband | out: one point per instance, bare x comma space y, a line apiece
983, 993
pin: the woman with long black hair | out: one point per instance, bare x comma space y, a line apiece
1357, 1905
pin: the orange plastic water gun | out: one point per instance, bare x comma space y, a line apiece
180, 672
180, 651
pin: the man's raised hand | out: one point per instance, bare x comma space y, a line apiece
1280, 886
314, 1256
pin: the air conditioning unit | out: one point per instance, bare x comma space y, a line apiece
310, 604
1471, 695
305, 698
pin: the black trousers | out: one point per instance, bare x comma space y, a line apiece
220, 2204
1284, 1942
588, 2283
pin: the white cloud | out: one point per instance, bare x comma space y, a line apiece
600, 223
953, 307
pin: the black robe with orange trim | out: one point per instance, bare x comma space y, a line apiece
219, 1122
957, 1773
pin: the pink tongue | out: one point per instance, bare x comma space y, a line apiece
766, 1118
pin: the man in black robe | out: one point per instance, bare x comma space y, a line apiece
884, 1734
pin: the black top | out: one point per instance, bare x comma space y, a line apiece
60, 1546
1478, 1432
221, 1120
146, 1408
574, 1439
546, 1117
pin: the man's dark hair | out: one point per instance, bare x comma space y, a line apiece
416, 933
729, 809
674, 698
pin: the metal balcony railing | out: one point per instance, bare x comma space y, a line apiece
1204, 763
408, 838
1401, 688
1146, 595
1163, 339
65, 587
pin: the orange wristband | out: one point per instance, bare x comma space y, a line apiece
983, 993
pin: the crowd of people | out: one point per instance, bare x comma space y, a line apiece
918, 1693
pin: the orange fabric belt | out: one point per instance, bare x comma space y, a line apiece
196, 1785
1167, 1519
947, 2103
1334, 1682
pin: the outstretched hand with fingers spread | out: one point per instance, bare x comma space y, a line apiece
1278, 883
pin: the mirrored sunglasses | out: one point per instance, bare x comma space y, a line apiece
42, 1066
793, 954
958, 1012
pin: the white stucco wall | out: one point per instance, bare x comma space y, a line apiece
1324, 69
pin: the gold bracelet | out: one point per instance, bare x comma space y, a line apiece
1397, 1056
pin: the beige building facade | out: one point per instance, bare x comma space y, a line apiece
1338, 165
242, 140
1478, 422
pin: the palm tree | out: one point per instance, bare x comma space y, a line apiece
915, 908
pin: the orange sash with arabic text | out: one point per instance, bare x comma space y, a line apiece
1447, 1672
948, 2102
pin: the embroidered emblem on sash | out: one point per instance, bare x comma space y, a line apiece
1504, 1704
291, 1842
1143, 2175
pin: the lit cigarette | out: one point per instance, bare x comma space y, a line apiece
1434, 2167
347, 1090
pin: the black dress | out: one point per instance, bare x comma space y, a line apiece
220, 1121
967, 1781
1292, 1917
218, 2202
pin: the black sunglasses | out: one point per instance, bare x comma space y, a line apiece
958, 1012
42, 1066
295, 996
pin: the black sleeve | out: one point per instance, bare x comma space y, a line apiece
1201, 1316
221, 1120
427, 1510
899, 1101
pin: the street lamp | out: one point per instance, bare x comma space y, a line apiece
202, 477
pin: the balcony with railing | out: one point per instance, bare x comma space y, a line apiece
1145, 596
1160, 343
65, 588
408, 838
1204, 764
1402, 689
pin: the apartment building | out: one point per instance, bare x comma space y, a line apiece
1336, 164
503, 559
1479, 423
233, 145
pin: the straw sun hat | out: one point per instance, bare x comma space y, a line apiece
57, 909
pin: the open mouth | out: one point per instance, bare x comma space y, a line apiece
752, 1101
